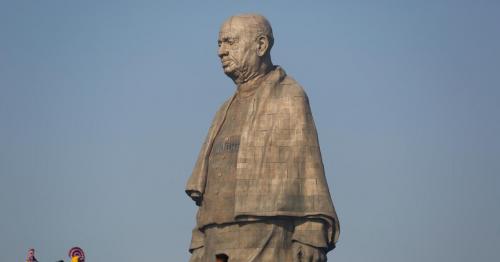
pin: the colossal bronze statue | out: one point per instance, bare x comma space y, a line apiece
259, 180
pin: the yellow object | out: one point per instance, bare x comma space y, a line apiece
75, 259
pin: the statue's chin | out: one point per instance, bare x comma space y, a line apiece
236, 74
231, 73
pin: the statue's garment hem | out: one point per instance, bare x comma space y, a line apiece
247, 242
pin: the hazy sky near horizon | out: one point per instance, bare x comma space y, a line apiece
104, 106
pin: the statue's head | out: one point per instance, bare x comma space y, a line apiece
245, 43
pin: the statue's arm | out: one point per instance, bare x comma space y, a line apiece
196, 183
302, 252
310, 240
197, 244
311, 232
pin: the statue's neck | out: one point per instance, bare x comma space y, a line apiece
255, 77
253, 83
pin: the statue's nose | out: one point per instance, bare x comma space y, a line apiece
222, 51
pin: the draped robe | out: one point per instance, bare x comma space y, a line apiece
279, 169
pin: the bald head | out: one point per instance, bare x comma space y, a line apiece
245, 42
254, 24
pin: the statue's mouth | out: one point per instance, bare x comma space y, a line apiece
225, 63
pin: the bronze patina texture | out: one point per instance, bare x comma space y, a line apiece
259, 179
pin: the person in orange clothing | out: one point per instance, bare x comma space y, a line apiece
76, 254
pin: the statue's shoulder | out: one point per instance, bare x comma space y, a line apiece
223, 106
289, 87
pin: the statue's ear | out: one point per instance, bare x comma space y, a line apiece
263, 45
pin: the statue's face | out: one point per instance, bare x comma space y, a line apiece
237, 49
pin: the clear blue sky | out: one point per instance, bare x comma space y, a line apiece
104, 106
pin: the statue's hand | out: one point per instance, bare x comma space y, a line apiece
197, 254
197, 197
306, 253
